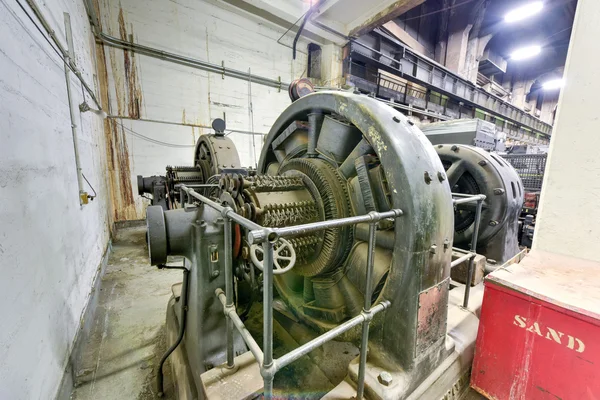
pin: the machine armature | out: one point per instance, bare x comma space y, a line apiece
330, 155
214, 154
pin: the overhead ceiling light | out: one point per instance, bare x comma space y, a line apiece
553, 84
525, 11
526, 52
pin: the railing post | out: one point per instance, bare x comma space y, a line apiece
182, 194
473, 250
228, 284
364, 344
267, 320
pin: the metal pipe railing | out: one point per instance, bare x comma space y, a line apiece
237, 322
201, 185
317, 342
267, 369
473, 249
462, 259
267, 236
246, 223
466, 198
272, 234
477, 197
367, 311
463, 195
228, 285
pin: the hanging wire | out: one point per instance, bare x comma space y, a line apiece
289, 29
146, 138
251, 117
58, 52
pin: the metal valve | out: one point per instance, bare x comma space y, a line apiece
282, 251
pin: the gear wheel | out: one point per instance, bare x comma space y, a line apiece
329, 190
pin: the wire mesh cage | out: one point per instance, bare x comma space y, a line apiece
530, 168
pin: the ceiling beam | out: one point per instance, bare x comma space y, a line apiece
404, 37
379, 15
285, 14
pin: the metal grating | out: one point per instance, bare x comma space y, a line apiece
530, 168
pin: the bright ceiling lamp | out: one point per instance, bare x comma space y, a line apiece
525, 11
526, 52
553, 84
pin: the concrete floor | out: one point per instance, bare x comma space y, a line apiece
127, 338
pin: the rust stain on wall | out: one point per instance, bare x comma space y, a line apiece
121, 172
134, 90
118, 80
117, 152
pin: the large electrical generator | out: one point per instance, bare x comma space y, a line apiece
345, 235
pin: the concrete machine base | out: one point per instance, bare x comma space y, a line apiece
450, 380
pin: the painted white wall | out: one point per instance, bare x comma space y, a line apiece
170, 92
50, 248
569, 215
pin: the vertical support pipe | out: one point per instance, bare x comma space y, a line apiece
228, 284
315, 120
68, 56
364, 344
267, 320
473, 250
182, 194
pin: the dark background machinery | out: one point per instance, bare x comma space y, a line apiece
466, 148
472, 170
472, 132
214, 154
530, 168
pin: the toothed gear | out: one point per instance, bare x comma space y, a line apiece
278, 215
334, 203
270, 183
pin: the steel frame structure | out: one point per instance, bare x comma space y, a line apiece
269, 366
410, 65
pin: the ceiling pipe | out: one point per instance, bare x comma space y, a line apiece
301, 28
112, 41
187, 61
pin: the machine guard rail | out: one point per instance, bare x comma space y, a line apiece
268, 236
463, 199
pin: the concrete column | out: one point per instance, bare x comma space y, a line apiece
550, 101
569, 215
332, 66
476, 44
475, 49
442, 39
458, 38
519, 92
463, 38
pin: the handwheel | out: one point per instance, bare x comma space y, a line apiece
282, 251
